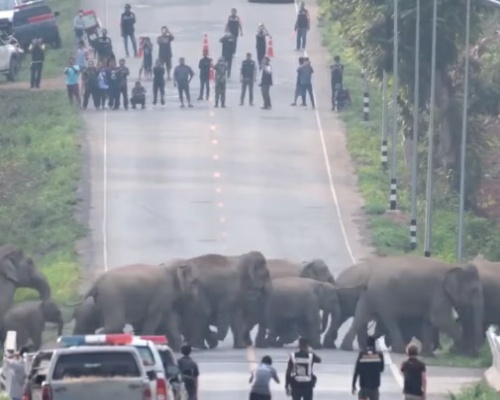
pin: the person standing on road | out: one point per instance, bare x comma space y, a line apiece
127, 23
158, 82
261, 43
415, 377
102, 83
204, 66
305, 72
164, 42
104, 48
90, 80
234, 27
79, 26
300, 380
336, 80
190, 372
302, 26
369, 368
182, 78
297, 84
261, 378
266, 81
147, 58
220, 82
72, 72
228, 41
14, 367
248, 77
114, 82
123, 73
37, 50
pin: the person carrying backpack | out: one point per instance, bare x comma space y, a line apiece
190, 372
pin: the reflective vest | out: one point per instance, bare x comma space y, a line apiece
302, 368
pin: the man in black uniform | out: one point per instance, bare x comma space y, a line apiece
233, 26
302, 26
190, 372
248, 77
300, 380
337, 77
91, 86
204, 66
127, 27
369, 367
228, 43
123, 72
165, 49
260, 43
104, 48
37, 50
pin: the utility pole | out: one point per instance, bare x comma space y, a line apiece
383, 149
394, 150
416, 127
430, 150
463, 148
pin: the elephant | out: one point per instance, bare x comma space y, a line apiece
88, 318
144, 295
18, 271
299, 301
421, 287
315, 269
28, 320
230, 289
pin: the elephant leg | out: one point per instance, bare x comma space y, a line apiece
361, 318
223, 320
211, 339
392, 326
239, 329
313, 329
447, 325
172, 331
427, 339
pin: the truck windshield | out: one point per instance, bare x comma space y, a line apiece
98, 364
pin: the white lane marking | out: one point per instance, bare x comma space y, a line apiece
394, 370
105, 171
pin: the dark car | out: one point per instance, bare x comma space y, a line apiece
36, 21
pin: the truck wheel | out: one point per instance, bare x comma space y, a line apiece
14, 67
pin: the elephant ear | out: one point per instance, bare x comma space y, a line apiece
457, 280
7, 267
185, 277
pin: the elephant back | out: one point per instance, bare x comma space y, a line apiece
356, 276
281, 268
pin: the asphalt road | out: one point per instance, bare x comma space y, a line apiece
169, 182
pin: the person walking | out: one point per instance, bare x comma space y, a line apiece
369, 367
15, 371
190, 372
248, 77
164, 42
300, 380
79, 26
228, 41
204, 66
336, 80
127, 25
159, 82
90, 81
261, 379
297, 84
302, 26
305, 72
261, 43
266, 81
182, 78
37, 50
72, 72
414, 373
220, 82
81, 58
234, 27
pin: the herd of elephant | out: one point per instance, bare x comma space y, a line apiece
200, 299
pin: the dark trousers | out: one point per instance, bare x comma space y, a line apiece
36, 74
297, 93
114, 98
257, 396
261, 53
304, 89
167, 63
247, 83
335, 89
229, 61
73, 92
220, 94
103, 95
204, 84
302, 392
158, 87
134, 43
266, 96
91, 91
123, 92
138, 100
183, 89
301, 38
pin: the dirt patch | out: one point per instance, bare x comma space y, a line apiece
47, 84
397, 216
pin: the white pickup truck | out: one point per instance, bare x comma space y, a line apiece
95, 372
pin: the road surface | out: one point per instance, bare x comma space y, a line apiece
170, 182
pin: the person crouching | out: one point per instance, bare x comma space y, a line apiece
138, 96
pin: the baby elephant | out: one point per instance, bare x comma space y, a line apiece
28, 320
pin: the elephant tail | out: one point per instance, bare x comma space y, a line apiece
92, 292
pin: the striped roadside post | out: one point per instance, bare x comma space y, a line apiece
366, 98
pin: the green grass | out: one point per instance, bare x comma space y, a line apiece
39, 168
478, 391
390, 235
448, 359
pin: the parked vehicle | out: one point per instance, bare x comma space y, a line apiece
11, 55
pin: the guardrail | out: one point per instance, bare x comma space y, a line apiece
492, 375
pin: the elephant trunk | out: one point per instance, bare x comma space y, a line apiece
324, 321
41, 285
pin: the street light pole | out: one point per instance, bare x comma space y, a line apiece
416, 114
430, 150
395, 90
464, 139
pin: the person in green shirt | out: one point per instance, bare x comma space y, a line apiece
220, 82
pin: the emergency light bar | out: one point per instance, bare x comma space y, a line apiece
114, 339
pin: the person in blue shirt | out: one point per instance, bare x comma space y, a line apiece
261, 378
72, 72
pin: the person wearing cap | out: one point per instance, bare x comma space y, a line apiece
127, 23
414, 373
261, 378
190, 372
300, 380
369, 368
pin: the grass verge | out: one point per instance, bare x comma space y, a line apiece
390, 231
475, 392
39, 169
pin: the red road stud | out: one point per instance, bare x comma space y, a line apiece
205, 44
